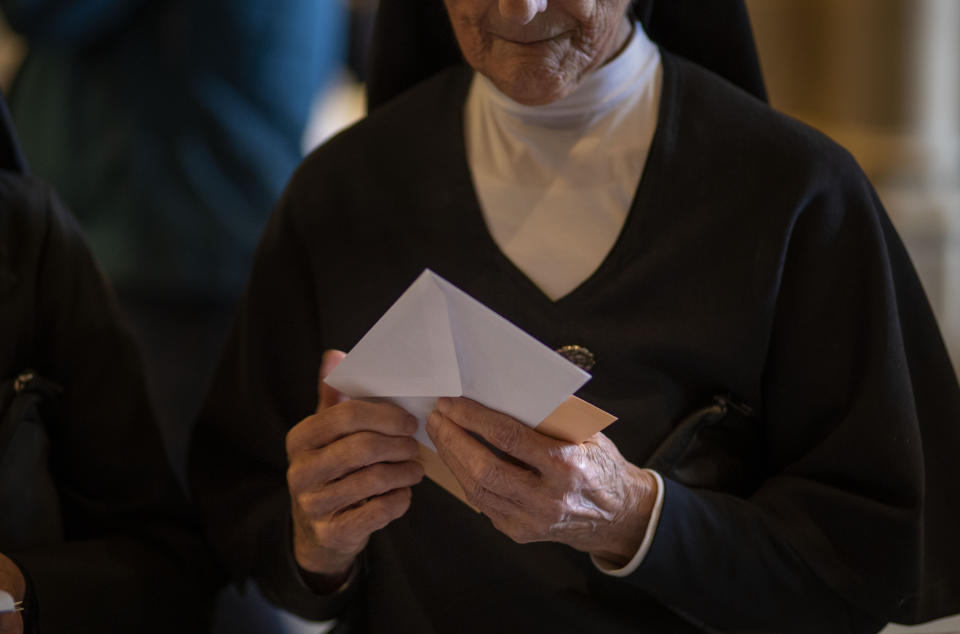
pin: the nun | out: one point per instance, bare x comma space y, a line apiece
607, 176
96, 534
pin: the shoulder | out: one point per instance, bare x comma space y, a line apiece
31, 215
770, 169
25, 222
43, 257
390, 158
718, 119
404, 128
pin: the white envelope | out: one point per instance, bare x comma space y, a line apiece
438, 341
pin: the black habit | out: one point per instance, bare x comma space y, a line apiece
756, 262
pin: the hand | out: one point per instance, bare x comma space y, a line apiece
12, 581
584, 495
352, 464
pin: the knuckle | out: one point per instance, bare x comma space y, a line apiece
315, 504
297, 477
340, 536
476, 494
400, 502
301, 504
328, 535
290, 442
563, 461
299, 435
507, 437
558, 455
486, 474
377, 513
308, 505
556, 508
377, 478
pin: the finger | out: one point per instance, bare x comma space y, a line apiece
369, 517
11, 623
346, 455
347, 418
479, 472
328, 397
503, 432
360, 486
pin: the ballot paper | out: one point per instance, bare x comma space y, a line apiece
6, 602
438, 341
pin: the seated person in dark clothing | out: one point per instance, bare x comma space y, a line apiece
604, 174
169, 127
95, 534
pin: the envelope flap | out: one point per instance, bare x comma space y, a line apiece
409, 351
502, 366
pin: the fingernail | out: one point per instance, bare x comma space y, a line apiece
330, 359
433, 422
443, 404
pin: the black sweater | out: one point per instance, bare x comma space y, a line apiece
756, 261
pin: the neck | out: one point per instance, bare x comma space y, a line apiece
601, 90
623, 39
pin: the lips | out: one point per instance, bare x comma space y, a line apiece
543, 28
530, 38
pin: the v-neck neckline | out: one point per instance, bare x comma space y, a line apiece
471, 225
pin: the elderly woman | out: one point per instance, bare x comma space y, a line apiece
781, 459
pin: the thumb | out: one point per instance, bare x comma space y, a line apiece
329, 396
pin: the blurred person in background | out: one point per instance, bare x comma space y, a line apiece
170, 127
95, 533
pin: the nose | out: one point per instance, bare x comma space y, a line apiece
521, 11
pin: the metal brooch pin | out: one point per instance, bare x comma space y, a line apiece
579, 356
22, 381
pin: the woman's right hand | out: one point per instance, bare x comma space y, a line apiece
352, 464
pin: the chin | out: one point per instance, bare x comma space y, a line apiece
533, 87
533, 75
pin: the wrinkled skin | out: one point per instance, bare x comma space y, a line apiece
585, 495
12, 581
538, 51
351, 466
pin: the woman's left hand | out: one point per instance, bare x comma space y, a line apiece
584, 495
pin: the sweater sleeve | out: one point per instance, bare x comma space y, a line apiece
265, 384
131, 545
831, 538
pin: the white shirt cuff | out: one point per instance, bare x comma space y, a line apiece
627, 570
